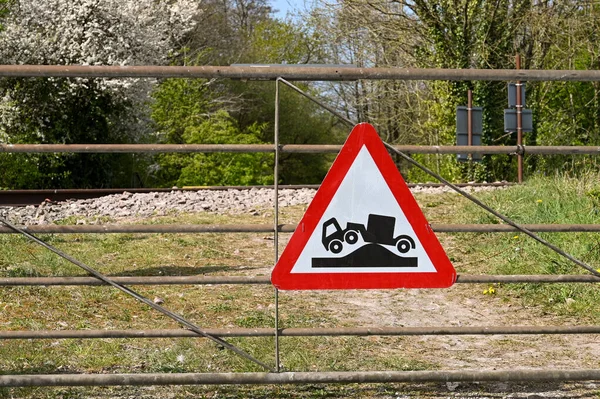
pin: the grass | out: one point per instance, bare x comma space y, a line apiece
540, 200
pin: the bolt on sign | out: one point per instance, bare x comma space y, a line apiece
363, 229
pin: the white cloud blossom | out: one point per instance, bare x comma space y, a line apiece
92, 32
95, 32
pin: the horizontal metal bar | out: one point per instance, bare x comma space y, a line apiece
262, 72
181, 228
145, 280
504, 228
283, 228
526, 278
288, 148
261, 280
340, 377
302, 332
134, 148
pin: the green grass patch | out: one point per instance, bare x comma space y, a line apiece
541, 200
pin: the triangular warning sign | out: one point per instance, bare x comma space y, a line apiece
363, 229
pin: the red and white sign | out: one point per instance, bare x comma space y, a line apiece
363, 229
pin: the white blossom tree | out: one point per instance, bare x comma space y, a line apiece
71, 110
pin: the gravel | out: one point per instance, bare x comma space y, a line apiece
128, 205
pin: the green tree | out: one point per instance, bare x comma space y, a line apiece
568, 113
181, 105
217, 168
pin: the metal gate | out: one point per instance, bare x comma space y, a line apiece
273, 373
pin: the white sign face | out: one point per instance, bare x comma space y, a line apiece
363, 229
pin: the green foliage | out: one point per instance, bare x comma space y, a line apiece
4, 5
218, 168
184, 114
56, 111
178, 104
241, 112
300, 122
278, 42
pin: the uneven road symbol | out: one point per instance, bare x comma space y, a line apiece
379, 232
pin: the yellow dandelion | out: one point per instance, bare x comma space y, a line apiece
516, 237
489, 291
539, 201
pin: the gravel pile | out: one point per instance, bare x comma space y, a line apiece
128, 205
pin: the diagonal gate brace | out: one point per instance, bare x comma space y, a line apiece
130, 292
453, 186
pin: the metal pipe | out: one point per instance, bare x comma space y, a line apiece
276, 222
145, 280
288, 72
469, 122
526, 278
343, 377
182, 228
303, 332
519, 107
265, 280
504, 228
289, 148
283, 228
134, 148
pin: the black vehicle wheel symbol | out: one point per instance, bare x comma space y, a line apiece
403, 246
336, 246
351, 237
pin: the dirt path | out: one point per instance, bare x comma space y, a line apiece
465, 305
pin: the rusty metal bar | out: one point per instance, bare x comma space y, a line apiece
283, 228
266, 280
527, 278
504, 228
290, 148
519, 122
181, 228
276, 222
141, 280
134, 148
303, 332
272, 72
341, 377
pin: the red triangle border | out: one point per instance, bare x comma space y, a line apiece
363, 135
